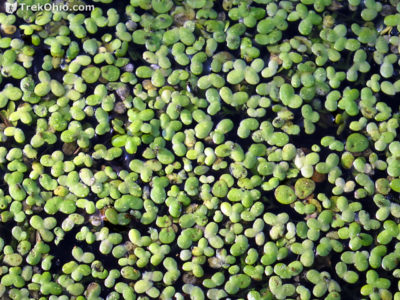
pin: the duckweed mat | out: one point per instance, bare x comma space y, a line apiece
199, 149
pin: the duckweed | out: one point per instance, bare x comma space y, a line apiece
172, 149
285, 194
